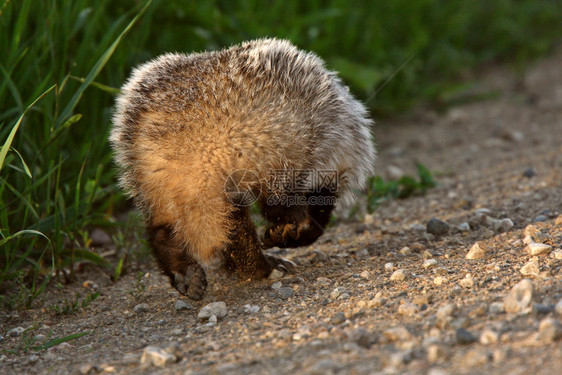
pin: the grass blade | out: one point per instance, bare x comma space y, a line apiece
8, 143
97, 68
59, 340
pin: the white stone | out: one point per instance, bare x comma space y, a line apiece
152, 355
538, 248
214, 308
476, 252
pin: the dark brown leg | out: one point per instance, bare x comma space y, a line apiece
244, 251
185, 274
298, 225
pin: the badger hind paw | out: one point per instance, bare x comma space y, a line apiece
192, 284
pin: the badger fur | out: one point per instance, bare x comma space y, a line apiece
189, 130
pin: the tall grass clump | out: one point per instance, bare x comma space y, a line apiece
62, 62
55, 171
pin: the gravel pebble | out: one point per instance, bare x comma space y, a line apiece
365, 275
519, 297
276, 285
141, 308
464, 227
275, 274
15, 332
531, 268
399, 333
339, 318
558, 307
251, 309
445, 311
464, 337
467, 282
437, 227
217, 309
503, 225
538, 248
476, 252
549, 330
408, 309
399, 275
496, 308
389, 266
155, 356
439, 280
285, 292
429, 263
182, 305
488, 337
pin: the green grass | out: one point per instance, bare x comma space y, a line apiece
63, 62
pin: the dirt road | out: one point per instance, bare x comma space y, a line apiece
382, 295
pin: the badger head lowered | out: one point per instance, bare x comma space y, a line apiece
200, 137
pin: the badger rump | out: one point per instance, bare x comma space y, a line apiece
198, 138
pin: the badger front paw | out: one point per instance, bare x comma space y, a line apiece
192, 284
291, 235
281, 264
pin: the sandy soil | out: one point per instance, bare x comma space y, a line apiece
381, 295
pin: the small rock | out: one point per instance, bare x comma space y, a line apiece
285, 292
540, 218
558, 307
435, 353
365, 275
338, 318
464, 227
362, 338
557, 254
541, 309
212, 320
496, 308
100, 238
407, 309
464, 337
519, 297
214, 308
549, 330
399, 275
429, 263
251, 309
337, 292
141, 308
475, 357
437, 227
531, 268
276, 285
439, 280
476, 252
88, 369
176, 332
488, 337
399, 333
503, 225
377, 301
467, 282
157, 357
538, 248
394, 173
15, 332
445, 311
275, 274
389, 266
529, 172
405, 251
182, 305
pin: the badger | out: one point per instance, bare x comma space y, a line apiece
199, 139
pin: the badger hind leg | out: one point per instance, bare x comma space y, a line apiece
186, 275
300, 224
244, 252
